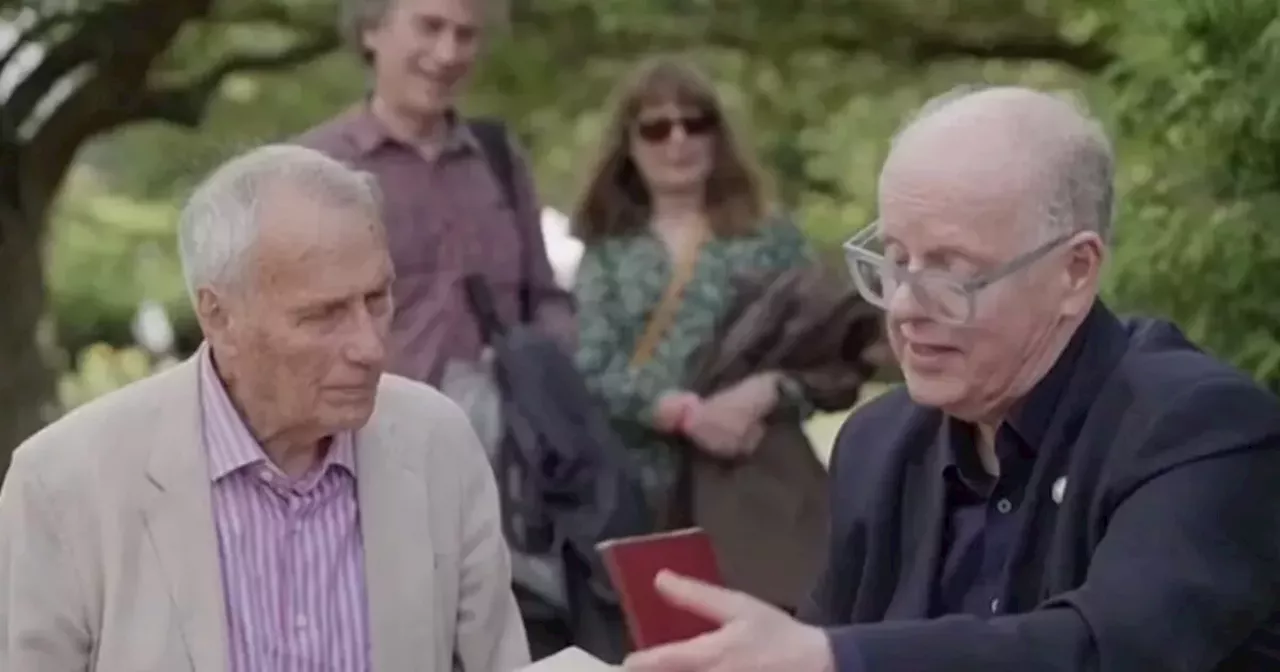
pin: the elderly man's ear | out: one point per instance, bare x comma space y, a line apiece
1082, 273
215, 320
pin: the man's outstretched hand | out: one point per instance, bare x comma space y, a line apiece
753, 636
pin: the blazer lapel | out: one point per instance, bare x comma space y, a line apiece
179, 520
923, 522
399, 562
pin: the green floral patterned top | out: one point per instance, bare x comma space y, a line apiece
619, 283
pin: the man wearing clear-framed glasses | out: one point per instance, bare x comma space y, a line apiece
1054, 488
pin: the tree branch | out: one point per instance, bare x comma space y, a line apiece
577, 31
275, 14
38, 30
115, 54
95, 32
1090, 57
185, 104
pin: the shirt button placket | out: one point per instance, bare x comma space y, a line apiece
294, 618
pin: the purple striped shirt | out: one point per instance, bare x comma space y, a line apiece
291, 550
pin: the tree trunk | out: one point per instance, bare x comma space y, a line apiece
28, 381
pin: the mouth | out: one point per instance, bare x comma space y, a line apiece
927, 351
352, 393
433, 81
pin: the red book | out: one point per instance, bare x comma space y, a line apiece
634, 562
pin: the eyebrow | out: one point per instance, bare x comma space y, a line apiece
941, 251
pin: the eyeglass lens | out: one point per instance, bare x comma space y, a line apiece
659, 130
939, 295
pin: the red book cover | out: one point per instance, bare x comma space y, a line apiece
634, 562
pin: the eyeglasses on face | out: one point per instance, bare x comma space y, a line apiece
660, 129
945, 296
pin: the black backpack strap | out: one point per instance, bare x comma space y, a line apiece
480, 299
492, 136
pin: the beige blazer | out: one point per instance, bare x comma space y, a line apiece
109, 557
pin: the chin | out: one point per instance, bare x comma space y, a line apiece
430, 104
677, 180
349, 416
934, 390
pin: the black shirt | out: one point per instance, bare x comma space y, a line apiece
983, 511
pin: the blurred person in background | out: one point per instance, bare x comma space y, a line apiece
462, 213
1054, 488
460, 199
674, 209
275, 502
680, 240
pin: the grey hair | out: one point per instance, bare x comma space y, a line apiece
1085, 198
357, 16
220, 222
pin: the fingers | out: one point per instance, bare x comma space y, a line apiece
719, 605
725, 440
710, 436
704, 652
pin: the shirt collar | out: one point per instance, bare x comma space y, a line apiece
230, 444
1030, 419
368, 133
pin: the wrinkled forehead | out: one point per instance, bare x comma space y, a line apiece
307, 241
975, 190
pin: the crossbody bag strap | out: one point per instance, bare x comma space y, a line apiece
664, 314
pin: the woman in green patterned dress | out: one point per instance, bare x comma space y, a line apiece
674, 209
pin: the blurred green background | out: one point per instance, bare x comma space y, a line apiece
1187, 88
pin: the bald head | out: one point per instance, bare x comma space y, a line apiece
994, 206
1013, 143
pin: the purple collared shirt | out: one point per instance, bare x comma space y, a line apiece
291, 550
446, 218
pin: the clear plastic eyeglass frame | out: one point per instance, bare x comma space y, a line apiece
946, 297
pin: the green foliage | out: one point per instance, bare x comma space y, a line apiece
820, 86
99, 369
1194, 241
159, 161
108, 253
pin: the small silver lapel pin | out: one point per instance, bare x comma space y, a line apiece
1059, 490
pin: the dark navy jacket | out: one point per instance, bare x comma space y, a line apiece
1162, 554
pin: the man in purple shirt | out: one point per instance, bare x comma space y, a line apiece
451, 212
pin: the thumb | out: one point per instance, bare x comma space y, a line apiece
716, 604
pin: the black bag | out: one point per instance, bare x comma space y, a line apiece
563, 475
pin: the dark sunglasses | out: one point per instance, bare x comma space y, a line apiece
658, 130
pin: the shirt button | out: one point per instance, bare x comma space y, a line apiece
1004, 506
995, 605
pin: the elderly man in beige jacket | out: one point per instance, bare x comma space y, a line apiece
277, 502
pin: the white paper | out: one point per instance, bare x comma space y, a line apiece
571, 659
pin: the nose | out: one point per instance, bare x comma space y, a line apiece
447, 49
903, 305
366, 344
